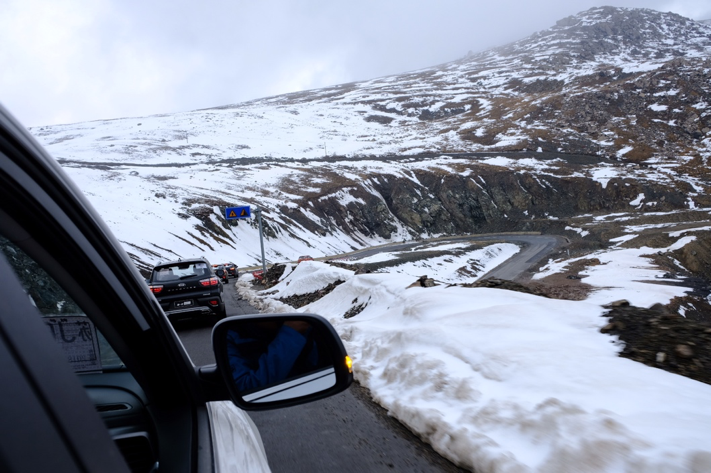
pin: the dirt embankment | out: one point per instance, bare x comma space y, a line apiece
659, 338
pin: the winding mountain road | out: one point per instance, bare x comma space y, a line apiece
534, 247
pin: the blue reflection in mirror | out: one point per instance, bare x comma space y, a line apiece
273, 360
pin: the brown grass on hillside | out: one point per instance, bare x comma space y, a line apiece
639, 153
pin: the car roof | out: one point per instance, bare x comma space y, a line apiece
183, 261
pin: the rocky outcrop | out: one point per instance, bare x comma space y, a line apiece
630, 117
663, 340
506, 285
479, 200
655, 114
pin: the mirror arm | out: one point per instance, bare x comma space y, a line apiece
213, 385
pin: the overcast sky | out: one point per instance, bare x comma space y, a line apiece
76, 60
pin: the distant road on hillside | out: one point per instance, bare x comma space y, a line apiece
575, 159
533, 249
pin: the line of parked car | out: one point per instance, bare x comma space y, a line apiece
190, 288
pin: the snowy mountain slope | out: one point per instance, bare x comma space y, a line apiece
611, 103
171, 211
476, 103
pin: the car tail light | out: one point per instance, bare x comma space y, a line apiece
156, 289
214, 302
210, 282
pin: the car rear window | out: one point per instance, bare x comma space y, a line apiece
176, 271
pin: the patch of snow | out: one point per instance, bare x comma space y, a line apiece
638, 200
583, 233
623, 151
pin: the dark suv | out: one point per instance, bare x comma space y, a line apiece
232, 270
187, 288
221, 272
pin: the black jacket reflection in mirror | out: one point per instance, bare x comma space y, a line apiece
265, 353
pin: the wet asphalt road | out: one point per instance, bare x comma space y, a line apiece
533, 249
343, 433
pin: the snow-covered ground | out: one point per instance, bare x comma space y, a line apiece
503, 381
628, 265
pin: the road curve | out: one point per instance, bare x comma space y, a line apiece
534, 248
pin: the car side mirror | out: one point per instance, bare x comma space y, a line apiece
280, 360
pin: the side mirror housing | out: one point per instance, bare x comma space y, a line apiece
269, 361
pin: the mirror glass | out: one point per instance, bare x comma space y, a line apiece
278, 358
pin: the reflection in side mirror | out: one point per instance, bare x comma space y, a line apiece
276, 360
274, 354
301, 386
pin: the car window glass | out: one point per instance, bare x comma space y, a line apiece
179, 271
81, 341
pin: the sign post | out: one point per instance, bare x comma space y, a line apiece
258, 211
232, 213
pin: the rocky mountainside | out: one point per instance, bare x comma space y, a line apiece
597, 128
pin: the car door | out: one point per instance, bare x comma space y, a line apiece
45, 217
48, 422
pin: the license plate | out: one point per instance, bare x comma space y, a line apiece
184, 304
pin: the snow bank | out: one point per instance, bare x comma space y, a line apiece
624, 273
308, 276
500, 381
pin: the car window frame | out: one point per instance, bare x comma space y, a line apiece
44, 214
38, 384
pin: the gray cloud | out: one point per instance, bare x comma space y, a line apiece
82, 60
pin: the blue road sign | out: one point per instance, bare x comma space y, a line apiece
238, 212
